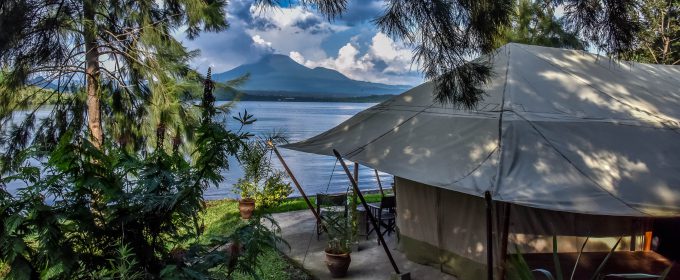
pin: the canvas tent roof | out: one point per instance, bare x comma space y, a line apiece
578, 133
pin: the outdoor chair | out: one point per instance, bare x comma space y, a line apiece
332, 209
386, 215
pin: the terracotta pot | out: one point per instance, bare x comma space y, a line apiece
337, 264
246, 207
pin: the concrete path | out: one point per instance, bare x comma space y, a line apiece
370, 262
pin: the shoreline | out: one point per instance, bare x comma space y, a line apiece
291, 198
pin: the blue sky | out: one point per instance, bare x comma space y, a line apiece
350, 44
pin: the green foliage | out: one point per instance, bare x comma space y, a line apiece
274, 191
141, 95
84, 200
246, 189
339, 228
123, 267
261, 180
659, 38
222, 218
534, 23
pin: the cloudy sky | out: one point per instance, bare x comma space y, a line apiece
350, 44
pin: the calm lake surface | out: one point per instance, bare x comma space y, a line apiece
298, 121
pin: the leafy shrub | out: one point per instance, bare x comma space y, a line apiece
274, 191
261, 180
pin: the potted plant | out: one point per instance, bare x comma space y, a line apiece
246, 205
261, 182
338, 251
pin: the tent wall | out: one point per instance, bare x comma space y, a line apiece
447, 229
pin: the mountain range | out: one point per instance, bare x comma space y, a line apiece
280, 75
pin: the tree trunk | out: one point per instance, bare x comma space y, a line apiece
92, 75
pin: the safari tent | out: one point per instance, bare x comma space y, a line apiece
564, 143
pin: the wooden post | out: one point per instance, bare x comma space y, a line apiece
379, 183
297, 184
648, 241
505, 241
374, 222
489, 237
356, 172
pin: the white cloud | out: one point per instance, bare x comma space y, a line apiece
394, 58
347, 62
292, 29
297, 57
258, 40
355, 49
397, 57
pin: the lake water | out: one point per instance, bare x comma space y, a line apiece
299, 120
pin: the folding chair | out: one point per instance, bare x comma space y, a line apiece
329, 206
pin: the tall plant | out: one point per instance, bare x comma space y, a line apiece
120, 53
261, 180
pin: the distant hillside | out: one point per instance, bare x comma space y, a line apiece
279, 73
223, 95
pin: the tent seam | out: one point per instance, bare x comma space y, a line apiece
574, 165
497, 177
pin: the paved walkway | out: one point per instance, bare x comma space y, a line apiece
370, 262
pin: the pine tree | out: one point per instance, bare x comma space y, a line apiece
120, 54
445, 34
659, 38
535, 23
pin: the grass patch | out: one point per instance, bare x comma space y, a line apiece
222, 217
295, 204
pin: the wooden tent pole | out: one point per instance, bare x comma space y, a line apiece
297, 184
648, 241
356, 172
505, 241
374, 222
489, 237
379, 183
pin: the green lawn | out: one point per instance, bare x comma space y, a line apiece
222, 216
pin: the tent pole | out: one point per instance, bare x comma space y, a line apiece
489, 237
297, 184
648, 241
374, 222
505, 241
379, 183
356, 172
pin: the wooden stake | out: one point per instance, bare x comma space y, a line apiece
356, 172
648, 241
374, 222
297, 184
505, 241
489, 237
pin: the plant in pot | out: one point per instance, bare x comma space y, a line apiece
246, 205
260, 182
339, 242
